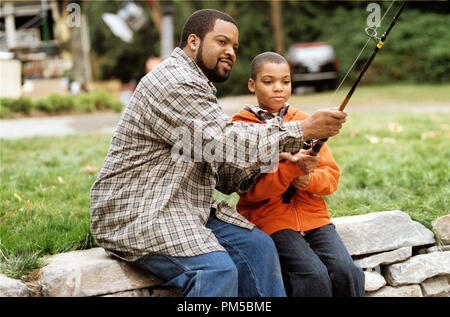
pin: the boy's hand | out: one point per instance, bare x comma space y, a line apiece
323, 123
301, 182
306, 162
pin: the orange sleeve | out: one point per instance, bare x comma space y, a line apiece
271, 185
325, 178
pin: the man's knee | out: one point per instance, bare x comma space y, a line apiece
221, 279
227, 270
262, 241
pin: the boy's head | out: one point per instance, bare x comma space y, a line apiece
270, 80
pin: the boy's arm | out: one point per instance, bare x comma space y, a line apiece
271, 185
325, 178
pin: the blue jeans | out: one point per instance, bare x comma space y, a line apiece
317, 264
249, 268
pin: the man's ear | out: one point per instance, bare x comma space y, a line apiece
251, 85
193, 42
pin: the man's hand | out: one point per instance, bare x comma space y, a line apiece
323, 123
301, 182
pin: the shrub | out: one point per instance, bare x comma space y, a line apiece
84, 102
55, 103
11, 105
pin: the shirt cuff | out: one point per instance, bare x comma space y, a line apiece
294, 139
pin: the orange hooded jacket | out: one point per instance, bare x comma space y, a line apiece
263, 205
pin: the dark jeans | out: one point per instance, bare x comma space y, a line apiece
317, 264
249, 268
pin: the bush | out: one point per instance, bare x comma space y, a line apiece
55, 103
85, 102
11, 105
89, 102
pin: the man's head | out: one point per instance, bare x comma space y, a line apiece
211, 37
270, 80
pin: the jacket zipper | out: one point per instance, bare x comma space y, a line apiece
294, 209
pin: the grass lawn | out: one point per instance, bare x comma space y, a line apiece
389, 160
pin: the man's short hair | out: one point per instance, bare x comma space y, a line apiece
261, 59
202, 22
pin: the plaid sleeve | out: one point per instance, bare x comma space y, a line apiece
190, 118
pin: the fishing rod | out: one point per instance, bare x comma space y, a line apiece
317, 144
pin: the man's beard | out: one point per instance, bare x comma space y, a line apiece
212, 74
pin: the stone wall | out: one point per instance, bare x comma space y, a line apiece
399, 256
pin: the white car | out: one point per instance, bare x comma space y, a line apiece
313, 64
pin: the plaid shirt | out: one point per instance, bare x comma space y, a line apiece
148, 200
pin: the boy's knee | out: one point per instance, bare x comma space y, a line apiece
313, 283
347, 270
320, 274
348, 275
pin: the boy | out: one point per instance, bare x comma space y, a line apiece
313, 258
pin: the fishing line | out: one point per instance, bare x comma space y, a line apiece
371, 36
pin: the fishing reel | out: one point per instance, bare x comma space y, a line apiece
307, 144
316, 145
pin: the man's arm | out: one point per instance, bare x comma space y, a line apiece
323, 123
188, 114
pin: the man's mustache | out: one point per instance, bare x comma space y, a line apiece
226, 58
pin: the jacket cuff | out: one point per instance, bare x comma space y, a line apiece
289, 171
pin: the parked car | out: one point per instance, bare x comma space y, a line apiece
313, 64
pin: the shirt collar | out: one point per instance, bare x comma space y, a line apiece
178, 53
264, 115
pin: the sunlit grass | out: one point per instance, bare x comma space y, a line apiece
388, 161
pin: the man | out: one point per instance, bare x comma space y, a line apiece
152, 206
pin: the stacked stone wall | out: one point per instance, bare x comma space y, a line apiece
399, 256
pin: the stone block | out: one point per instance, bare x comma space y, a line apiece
10, 287
436, 286
388, 257
373, 281
401, 291
165, 292
381, 231
418, 268
435, 248
441, 226
91, 273
142, 292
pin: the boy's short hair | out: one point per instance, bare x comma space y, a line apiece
261, 59
202, 22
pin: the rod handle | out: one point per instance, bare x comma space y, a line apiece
317, 146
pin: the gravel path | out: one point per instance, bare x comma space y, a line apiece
106, 122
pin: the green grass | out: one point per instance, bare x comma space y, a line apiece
44, 198
44, 193
399, 94
385, 169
